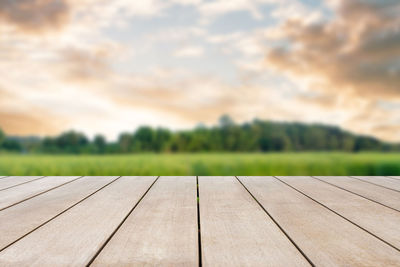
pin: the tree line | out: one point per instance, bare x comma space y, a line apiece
227, 136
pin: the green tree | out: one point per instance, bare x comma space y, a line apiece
100, 144
72, 142
161, 139
2, 137
143, 139
253, 136
49, 145
11, 145
125, 142
225, 121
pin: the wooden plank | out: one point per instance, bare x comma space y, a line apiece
74, 237
377, 219
14, 195
382, 195
162, 230
16, 180
395, 177
235, 231
21, 219
386, 182
326, 238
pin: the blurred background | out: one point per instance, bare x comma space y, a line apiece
199, 87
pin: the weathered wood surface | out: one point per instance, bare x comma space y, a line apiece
11, 181
19, 220
14, 195
375, 218
320, 233
74, 237
376, 193
235, 231
162, 230
244, 221
383, 181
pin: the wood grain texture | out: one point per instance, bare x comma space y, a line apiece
26, 216
73, 238
381, 181
395, 177
161, 231
326, 238
235, 231
16, 180
17, 194
374, 192
377, 219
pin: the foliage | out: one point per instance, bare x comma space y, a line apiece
11, 145
255, 136
2, 137
100, 144
69, 142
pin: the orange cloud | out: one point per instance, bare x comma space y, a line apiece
387, 132
77, 76
346, 64
355, 53
20, 122
35, 15
30, 123
85, 66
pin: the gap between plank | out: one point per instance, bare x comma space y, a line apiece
4, 177
377, 202
338, 214
277, 224
40, 193
198, 222
374, 184
91, 194
122, 222
22, 183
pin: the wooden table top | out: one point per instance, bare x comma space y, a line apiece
199, 221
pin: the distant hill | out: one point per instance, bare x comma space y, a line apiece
227, 136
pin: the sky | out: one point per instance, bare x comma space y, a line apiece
101, 66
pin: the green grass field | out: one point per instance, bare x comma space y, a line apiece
204, 164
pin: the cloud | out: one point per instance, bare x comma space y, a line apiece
345, 64
16, 123
35, 15
213, 9
387, 132
84, 64
189, 51
187, 98
356, 53
38, 16
278, 9
375, 118
18, 117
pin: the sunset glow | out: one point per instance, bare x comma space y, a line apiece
106, 67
